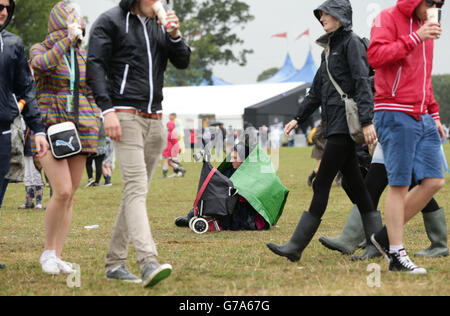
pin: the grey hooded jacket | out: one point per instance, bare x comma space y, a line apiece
127, 59
349, 67
16, 81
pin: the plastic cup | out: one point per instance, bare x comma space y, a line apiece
162, 16
434, 15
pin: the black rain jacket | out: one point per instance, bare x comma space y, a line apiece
16, 81
349, 67
127, 58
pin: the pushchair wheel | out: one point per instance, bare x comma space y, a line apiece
200, 226
191, 221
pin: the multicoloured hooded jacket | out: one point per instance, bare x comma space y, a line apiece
52, 75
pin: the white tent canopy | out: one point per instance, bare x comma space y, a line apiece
226, 102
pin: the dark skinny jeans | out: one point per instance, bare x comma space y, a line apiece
339, 155
98, 167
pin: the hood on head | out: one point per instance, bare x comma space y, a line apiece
10, 15
126, 4
62, 15
340, 9
407, 7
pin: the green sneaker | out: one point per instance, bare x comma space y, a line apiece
154, 273
2, 266
121, 273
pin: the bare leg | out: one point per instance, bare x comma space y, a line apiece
402, 205
76, 166
394, 213
58, 173
420, 195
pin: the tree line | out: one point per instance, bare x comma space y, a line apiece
441, 88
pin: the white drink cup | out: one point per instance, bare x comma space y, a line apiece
162, 16
434, 15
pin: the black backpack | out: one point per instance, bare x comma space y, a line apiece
366, 43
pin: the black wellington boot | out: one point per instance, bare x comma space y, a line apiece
372, 224
306, 228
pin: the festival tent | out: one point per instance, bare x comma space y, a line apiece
280, 108
284, 73
306, 73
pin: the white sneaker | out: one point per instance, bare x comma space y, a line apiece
49, 262
64, 267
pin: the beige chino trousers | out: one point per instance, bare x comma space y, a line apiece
138, 153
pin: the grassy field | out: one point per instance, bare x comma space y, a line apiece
225, 263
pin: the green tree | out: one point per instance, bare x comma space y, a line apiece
441, 89
30, 20
210, 28
266, 74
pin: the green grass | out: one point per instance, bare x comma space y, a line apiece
225, 263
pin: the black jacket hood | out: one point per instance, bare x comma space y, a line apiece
10, 15
126, 4
340, 9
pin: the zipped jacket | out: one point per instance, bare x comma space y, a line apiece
349, 67
127, 57
403, 62
16, 82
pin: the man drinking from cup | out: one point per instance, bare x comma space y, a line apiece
406, 117
128, 54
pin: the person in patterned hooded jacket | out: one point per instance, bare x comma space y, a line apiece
60, 71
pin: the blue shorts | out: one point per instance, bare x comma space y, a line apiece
409, 147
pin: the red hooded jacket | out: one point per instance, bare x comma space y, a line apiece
173, 147
402, 62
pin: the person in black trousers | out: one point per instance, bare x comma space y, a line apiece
349, 67
98, 160
376, 182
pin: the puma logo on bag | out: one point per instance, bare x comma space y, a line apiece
60, 142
